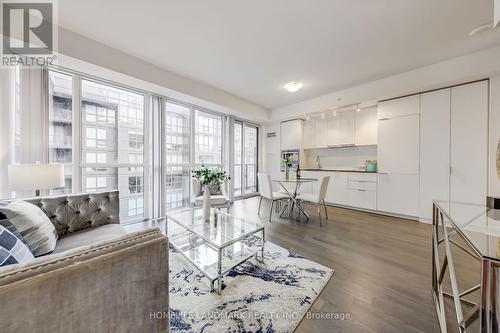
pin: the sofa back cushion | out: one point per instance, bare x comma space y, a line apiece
75, 212
12, 249
32, 224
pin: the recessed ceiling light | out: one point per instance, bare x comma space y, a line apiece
293, 86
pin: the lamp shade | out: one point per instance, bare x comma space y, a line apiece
23, 177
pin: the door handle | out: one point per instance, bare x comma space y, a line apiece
382, 119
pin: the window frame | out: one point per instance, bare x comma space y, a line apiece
78, 164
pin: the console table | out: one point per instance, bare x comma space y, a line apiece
474, 229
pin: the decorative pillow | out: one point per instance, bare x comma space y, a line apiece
32, 224
12, 249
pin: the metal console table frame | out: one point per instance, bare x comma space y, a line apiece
487, 309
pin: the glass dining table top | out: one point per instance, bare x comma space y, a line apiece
479, 224
297, 180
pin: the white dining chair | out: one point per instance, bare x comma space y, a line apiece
317, 198
266, 191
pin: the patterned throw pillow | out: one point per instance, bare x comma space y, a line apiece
12, 250
32, 224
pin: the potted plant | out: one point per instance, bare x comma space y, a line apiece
208, 177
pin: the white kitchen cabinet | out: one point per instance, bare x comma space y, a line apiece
348, 128
307, 187
337, 192
398, 145
361, 198
333, 127
434, 149
469, 142
315, 133
291, 134
399, 107
309, 134
366, 127
321, 133
398, 194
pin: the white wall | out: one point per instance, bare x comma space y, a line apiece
173, 85
340, 157
494, 136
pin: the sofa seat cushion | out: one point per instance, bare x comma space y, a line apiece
89, 236
214, 200
12, 249
32, 224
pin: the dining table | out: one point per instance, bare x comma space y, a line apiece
291, 187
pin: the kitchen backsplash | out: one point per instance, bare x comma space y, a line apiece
340, 157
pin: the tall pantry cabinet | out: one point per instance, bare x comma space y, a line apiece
433, 146
454, 146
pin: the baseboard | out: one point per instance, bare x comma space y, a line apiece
377, 212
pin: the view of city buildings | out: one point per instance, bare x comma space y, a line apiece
112, 140
110, 153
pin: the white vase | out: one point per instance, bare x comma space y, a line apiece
206, 203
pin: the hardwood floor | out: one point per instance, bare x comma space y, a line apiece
382, 268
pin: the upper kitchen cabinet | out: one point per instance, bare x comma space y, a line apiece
342, 129
399, 107
315, 133
398, 145
309, 134
348, 128
366, 127
333, 135
292, 134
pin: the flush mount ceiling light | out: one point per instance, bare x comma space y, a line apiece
293, 86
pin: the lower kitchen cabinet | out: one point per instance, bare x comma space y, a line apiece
398, 194
337, 188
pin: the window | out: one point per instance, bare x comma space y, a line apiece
134, 184
208, 138
113, 144
136, 139
177, 156
61, 125
135, 207
245, 158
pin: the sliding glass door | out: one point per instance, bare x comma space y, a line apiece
245, 159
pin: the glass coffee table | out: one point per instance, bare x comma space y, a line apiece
216, 246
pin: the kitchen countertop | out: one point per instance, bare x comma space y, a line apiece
337, 170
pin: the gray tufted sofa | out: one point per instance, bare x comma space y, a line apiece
98, 279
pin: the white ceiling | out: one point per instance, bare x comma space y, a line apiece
252, 48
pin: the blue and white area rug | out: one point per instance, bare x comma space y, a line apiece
266, 297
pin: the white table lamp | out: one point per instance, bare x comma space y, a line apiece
28, 177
